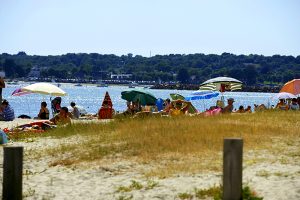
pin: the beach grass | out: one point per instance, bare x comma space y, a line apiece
173, 145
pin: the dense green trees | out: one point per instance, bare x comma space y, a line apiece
192, 68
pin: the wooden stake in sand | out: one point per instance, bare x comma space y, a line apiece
232, 168
12, 173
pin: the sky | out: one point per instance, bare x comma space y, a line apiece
150, 27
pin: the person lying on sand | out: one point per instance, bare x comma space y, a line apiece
62, 118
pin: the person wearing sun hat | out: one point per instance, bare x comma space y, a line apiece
229, 107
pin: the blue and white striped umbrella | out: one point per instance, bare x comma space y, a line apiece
197, 95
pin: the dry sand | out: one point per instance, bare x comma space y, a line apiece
274, 177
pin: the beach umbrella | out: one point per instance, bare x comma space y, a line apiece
221, 84
284, 95
144, 97
44, 88
292, 86
19, 92
200, 94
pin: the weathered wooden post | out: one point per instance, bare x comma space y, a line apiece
12, 173
232, 168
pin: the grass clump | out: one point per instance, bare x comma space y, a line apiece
135, 185
125, 197
185, 195
215, 192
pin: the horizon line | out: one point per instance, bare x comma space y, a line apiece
133, 55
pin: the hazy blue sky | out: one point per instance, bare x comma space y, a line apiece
53, 27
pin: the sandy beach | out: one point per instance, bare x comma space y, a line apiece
273, 177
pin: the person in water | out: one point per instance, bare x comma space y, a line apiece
62, 118
44, 112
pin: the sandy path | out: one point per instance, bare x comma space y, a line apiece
273, 181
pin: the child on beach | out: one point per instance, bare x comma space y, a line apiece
75, 112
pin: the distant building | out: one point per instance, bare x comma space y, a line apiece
35, 72
120, 76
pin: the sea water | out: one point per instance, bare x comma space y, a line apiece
90, 97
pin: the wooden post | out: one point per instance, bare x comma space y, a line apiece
12, 173
232, 168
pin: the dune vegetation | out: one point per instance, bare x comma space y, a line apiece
176, 145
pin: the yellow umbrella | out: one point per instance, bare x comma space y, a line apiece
292, 87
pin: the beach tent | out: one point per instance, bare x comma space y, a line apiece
292, 86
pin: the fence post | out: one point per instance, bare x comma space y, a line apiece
12, 173
232, 168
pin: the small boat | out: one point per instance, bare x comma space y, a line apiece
133, 85
78, 85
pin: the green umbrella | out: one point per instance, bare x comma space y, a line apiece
144, 97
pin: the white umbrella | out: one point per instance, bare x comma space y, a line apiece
221, 84
44, 88
284, 95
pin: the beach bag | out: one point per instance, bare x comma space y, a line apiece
3, 137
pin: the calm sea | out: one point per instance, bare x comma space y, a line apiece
90, 97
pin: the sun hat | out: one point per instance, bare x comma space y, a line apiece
230, 99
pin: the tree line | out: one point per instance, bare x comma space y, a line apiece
192, 68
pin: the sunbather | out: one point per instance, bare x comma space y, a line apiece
229, 107
62, 118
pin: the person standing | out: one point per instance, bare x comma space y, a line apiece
2, 85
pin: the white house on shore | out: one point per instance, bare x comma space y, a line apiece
120, 76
